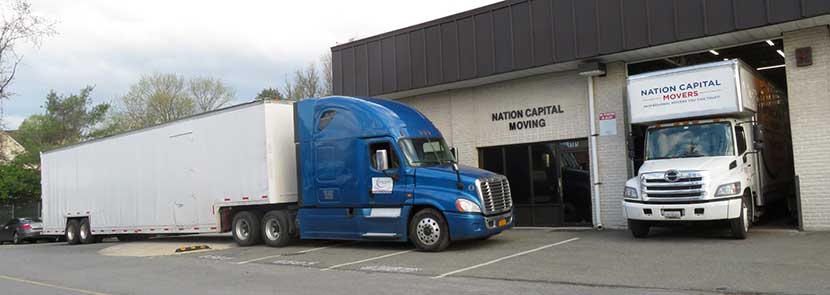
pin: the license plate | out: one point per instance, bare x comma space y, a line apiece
502, 222
672, 213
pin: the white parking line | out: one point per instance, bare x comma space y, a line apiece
42, 284
298, 252
366, 260
504, 258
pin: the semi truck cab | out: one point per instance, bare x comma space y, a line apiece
373, 169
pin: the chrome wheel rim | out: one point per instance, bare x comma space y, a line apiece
84, 234
243, 229
272, 229
70, 234
428, 231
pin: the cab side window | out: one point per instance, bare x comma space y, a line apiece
741, 138
325, 119
391, 156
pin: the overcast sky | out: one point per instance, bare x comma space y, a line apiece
248, 44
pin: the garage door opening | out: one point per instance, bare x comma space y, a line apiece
767, 58
549, 181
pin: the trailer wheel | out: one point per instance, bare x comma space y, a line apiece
276, 230
639, 229
429, 232
246, 228
73, 229
85, 233
740, 225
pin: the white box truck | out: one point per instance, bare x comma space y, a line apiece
717, 147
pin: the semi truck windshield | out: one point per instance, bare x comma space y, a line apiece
704, 140
421, 152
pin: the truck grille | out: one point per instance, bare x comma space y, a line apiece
495, 194
673, 186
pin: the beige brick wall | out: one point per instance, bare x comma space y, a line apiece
464, 115
612, 158
809, 98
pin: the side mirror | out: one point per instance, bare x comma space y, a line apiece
632, 154
758, 133
380, 160
758, 146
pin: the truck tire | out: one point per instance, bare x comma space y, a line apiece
428, 230
245, 228
639, 229
85, 232
73, 232
276, 230
740, 225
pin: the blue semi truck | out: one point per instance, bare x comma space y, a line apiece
338, 168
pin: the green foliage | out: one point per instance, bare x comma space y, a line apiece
68, 119
19, 182
269, 93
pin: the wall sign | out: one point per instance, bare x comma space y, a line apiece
527, 118
607, 123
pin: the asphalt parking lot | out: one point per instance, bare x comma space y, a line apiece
583, 261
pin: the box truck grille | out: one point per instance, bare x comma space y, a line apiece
495, 194
679, 186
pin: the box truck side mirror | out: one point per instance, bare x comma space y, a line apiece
758, 135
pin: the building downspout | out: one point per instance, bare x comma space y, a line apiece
593, 146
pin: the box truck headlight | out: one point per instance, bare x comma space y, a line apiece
468, 206
728, 189
631, 193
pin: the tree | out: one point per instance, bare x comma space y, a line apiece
18, 182
160, 98
155, 99
306, 83
67, 120
269, 93
209, 93
19, 26
328, 74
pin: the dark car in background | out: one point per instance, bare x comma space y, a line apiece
19, 230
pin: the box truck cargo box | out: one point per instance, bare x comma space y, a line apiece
713, 89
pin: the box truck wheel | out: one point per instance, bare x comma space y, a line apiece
276, 230
73, 229
85, 232
246, 228
740, 225
428, 230
639, 229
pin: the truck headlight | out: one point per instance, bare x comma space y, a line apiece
728, 189
468, 206
631, 193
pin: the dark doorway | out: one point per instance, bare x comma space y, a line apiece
549, 181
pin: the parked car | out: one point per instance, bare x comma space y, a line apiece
19, 230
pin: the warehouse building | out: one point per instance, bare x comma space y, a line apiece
535, 89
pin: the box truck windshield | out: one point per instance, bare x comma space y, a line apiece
704, 140
424, 152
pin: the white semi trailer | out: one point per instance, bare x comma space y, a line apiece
172, 178
717, 147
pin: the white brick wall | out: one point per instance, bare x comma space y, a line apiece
809, 98
612, 157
